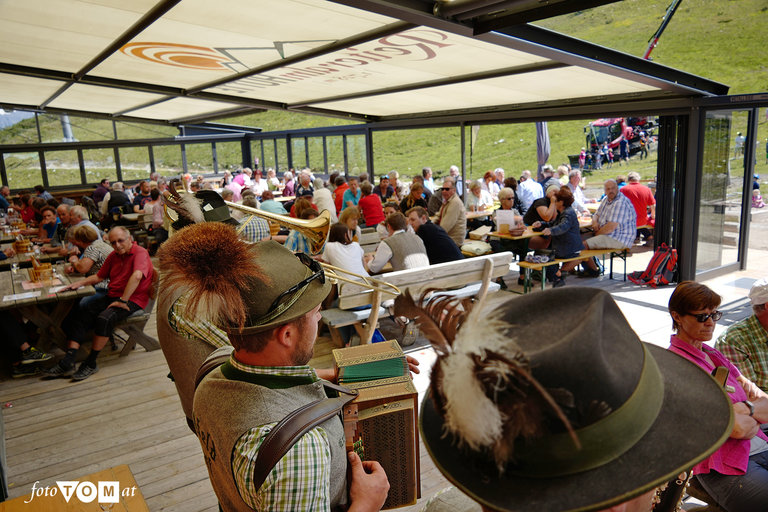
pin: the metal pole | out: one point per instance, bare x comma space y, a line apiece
215, 158
750, 148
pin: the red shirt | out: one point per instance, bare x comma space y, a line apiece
641, 198
118, 268
373, 212
338, 196
732, 457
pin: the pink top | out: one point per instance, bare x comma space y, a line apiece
732, 457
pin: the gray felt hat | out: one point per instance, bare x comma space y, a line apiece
642, 414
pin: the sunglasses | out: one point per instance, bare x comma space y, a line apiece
285, 300
703, 317
446, 188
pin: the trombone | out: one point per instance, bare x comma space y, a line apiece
316, 230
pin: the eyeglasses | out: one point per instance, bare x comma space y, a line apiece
283, 301
703, 317
446, 188
118, 241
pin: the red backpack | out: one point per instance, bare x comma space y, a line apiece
661, 270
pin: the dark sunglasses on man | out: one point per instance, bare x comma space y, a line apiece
317, 273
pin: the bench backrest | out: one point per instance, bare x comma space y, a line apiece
453, 274
369, 241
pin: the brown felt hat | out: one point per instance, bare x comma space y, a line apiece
283, 270
658, 414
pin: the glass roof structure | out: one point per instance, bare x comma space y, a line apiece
369, 60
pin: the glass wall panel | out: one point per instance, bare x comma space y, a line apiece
144, 130
230, 155
168, 159
408, 152
299, 153
199, 158
282, 155
63, 168
63, 128
99, 164
24, 131
356, 155
23, 170
269, 153
134, 163
335, 148
722, 188
316, 161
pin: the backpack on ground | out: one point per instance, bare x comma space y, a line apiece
661, 270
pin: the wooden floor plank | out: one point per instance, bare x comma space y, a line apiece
127, 413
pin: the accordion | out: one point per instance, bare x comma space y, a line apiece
381, 424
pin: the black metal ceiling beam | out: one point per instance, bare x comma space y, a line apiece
578, 52
583, 108
470, 77
145, 21
82, 113
216, 115
551, 45
539, 12
392, 28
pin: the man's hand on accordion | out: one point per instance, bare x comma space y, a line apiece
369, 485
330, 375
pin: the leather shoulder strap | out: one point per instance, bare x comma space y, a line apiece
215, 359
288, 431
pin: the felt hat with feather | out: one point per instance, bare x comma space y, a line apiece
202, 206
235, 284
550, 402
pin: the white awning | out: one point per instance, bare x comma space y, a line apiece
188, 59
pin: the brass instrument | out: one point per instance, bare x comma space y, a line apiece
316, 230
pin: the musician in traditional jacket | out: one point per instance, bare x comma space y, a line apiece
268, 300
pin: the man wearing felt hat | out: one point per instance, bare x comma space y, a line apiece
745, 343
265, 301
585, 418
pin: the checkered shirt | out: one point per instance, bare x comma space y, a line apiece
297, 242
253, 229
199, 329
745, 344
619, 210
301, 479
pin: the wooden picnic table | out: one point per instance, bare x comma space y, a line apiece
24, 260
129, 497
40, 303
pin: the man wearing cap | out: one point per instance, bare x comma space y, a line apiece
267, 302
629, 416
745, 343
452, 216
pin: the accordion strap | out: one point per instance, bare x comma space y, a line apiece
287, 432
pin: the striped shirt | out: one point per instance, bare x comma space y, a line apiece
745, 344
621, 211
301, 479
297, 242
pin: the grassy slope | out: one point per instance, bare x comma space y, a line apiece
717, 39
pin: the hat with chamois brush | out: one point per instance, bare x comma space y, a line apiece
244, 288
527, 413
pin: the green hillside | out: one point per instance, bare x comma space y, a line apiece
717, 39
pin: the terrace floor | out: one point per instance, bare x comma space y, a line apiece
129, 413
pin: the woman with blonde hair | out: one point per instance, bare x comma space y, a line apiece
350, 217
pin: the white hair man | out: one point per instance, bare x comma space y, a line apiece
528, 190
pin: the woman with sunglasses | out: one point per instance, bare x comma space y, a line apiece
736, 475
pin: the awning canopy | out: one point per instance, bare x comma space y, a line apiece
373, 60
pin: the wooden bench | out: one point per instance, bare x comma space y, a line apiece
462, 278
133, 326
528, 266
369, 240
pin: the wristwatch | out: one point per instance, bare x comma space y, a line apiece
120, 299
750, 405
